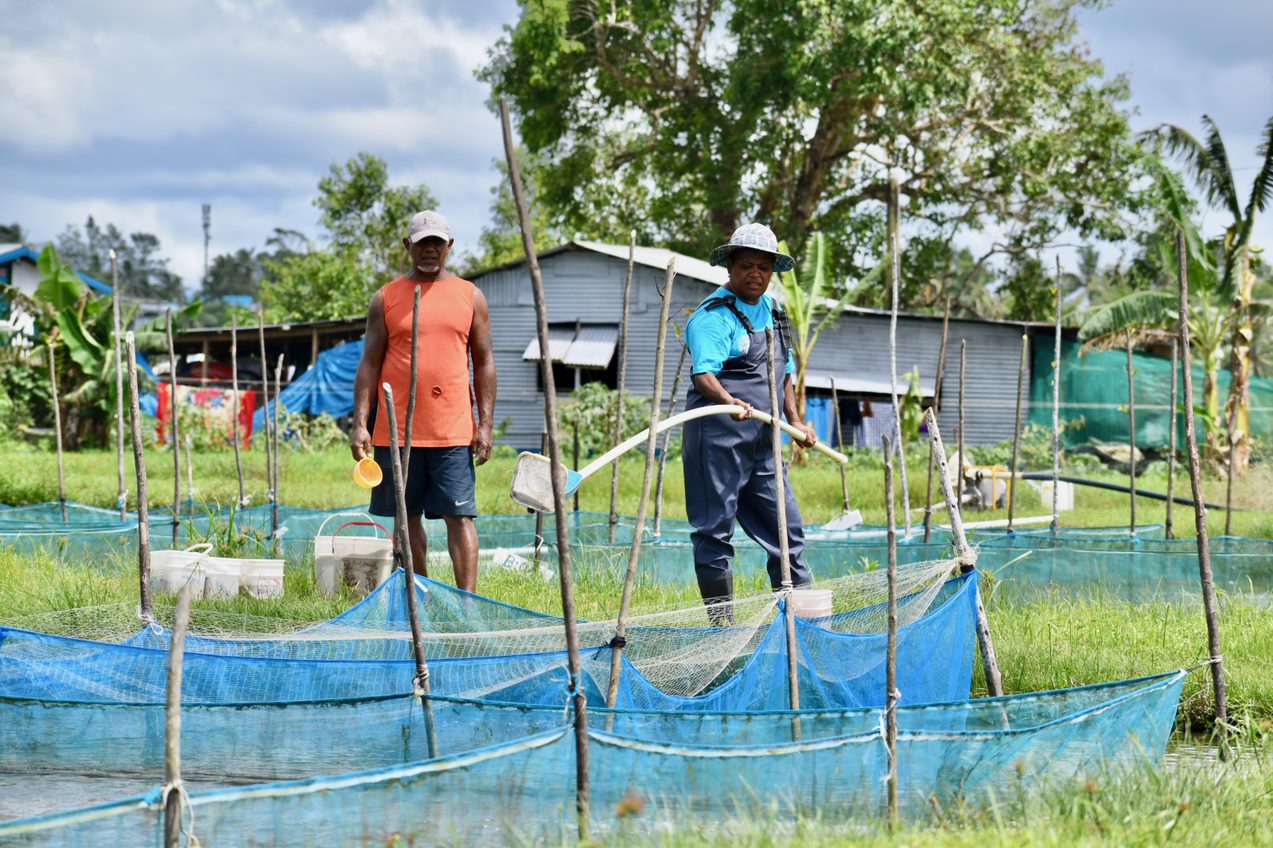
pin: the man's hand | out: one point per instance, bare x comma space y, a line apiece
360, 443
810, 435
482, 443
745, 414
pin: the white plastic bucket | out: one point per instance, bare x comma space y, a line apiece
221, 577
171, 570
811, 603
360, 562
261, 578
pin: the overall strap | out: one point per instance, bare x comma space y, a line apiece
731, 304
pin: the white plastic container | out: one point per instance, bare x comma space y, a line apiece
171, 570
360, 562
261, 578
221, 577
811, 603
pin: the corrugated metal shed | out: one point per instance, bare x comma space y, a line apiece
593, 347
559, 341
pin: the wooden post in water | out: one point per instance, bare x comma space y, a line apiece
234, 384
967, 556
839, 438
941, 372
174, 432
402, 539
265, 405
617, 434
1016, 432
647, 484
174, 792
1131, 433
57, 431
1169, 529
139, 463
278, 382
1210, 609
121, 501
895, 274
667, 440
1056, 413
784, 549
559, 496
890, 662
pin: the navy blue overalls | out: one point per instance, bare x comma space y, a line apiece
729, 471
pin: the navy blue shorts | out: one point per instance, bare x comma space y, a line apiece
440, 482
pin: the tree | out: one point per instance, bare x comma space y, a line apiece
318, 285
143, 270
233, 273
12, 234
365, 216
1207, 162
501, 241
686, 118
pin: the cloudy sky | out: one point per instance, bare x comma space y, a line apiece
139, 112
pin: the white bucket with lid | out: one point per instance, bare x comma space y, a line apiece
360, 562
221, 577
811, 603
171, 570
261, 578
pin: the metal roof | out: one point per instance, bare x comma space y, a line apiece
593, 347
559, 339
13, 252
860, 384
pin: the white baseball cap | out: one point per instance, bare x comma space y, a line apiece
428, 223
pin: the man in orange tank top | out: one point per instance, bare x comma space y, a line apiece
455, 327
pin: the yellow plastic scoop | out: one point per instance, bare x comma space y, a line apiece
367, 473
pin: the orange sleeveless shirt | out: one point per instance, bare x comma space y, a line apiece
444, 400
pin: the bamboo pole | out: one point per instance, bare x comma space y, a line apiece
784, 544
1169, 529
402, 540
667, 440
57, 431
174, 432
890, 663
647, 483
941, 372
139, 463
121, 500
1016, 432
1056, 413
959, 432
967, 557
617, 434
1131, 434
895, 272
839, 438
411, 392
173, 791
1209, 606
559, 497
265, 405
278, 381
234, 384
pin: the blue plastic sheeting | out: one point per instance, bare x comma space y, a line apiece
327, 388
645, 779
836, 669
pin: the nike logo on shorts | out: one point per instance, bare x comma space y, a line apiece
461, 503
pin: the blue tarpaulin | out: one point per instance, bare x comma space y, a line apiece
326, 388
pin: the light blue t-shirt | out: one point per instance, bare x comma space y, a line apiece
716, 335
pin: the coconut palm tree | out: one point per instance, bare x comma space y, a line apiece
1207, 163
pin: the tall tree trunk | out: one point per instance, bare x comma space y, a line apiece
1239, 403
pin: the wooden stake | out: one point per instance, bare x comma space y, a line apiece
941, 372
278, 383
265, 408
1210, 609
403, 544
1131, 435
559, 497
190, 491
539, 515
1169, 529
411, 391
839, 437
1231, 431
667, 440
234, 383
121, 500
967, 557
173, 790
174, 432
890, 663
574, 428
784, 549
1016, 433
647, 483
57, 431
617, 434
143, 502
895, 272
959, 432
1056, 412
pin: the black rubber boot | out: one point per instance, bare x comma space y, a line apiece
717, 588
